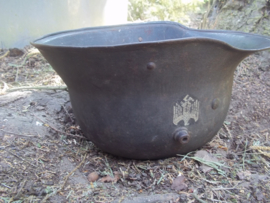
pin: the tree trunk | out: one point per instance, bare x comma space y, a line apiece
252, 16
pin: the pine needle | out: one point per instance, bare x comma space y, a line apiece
215, 165
260, 148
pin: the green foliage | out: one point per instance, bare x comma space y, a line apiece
48, 190
171, 10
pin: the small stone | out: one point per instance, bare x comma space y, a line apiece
144, 174
183, 197
92, 177
40, 108
230, 156
179, 183
244, 175
49, 183
259, 195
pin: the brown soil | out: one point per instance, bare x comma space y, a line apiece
44, 159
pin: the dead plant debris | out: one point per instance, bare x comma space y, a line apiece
43, 157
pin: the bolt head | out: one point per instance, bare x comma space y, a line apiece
151, 66
181, 135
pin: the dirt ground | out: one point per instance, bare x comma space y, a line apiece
44, 157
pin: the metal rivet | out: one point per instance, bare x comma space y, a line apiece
215, 103
151, 66
181, 135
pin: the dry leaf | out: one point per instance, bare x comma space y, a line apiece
179, 183
40, 108
222, 147
244, 175
109, 178
9, 137
92, 177
259, 195
206, 157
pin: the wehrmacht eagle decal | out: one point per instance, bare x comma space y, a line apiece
187, 110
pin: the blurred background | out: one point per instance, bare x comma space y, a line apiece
23, 21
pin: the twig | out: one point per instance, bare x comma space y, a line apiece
215, 200
38, 88
260, 147
75, 169
19, 193
3, 56
46, 124
265, 162
212, 182
11, 199
18, 134
21, 158
48, 196
66, 178
6, 186
222, 188
212, 164
185, 156
228, 130
24, 57
205, 16
197, 198
136, 168
244, 155
121, 199
154, 183
17, 74
20, 65
123, 173
102, 199
67, 114
264, 153
160, 179
5, 87
70, 192
186, 193
248, 150
109, 167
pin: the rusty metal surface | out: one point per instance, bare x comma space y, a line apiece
149, 90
